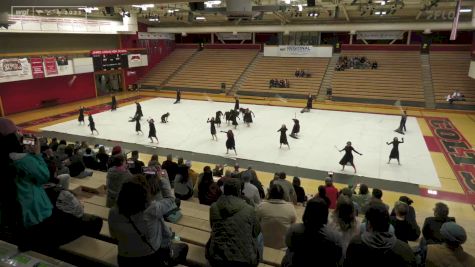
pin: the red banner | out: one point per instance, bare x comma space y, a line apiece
50, 66
37, 67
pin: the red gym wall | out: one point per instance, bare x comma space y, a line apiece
27, 95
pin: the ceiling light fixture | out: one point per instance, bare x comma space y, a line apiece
465, 10
144, 6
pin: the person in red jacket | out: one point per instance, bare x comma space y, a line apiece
332, 192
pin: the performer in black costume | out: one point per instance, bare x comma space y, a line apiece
212, 128
247, 117
283, 136
236, 103
138, 110
309, 105
81, 115
348, 157
230, 143
92, 124
178, 96
217, 119
395, 151
402, 123
164, 117
113, 103
227, 115
152, 132
234, 116
295, 129
138, 127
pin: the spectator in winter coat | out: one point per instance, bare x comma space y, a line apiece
432, 225
116, 176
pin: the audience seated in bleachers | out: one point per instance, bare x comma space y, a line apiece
299, 190
404, 229
275, 217
330, 191
302, 74
312, 240
208, 190
134, 164
455, 96
116, 176
234, 229
289, 192
345, 63
279, 83
432, 225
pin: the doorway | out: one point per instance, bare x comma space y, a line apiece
108, 82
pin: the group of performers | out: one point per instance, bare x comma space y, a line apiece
232, 115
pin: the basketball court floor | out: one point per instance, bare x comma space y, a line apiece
323, 133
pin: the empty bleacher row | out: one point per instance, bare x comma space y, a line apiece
211, 67
449, 73
280, 68
398, 77
167, 67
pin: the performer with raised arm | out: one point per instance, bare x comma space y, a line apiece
395, 151
81, 115
295, 129
348, 157
217, 119
402, 123
283, 136
178, 96
113, 103
230, 143
152, 132
92, 124
164, 117
212, 128
247, 117
138, 110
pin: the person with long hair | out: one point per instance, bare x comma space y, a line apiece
311, 239
217, 118
81, 115
395, 151
138, 225
212, 123
348, 157
208, 190
152, 131
343, 220
92, 124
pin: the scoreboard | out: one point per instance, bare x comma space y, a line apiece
114, 59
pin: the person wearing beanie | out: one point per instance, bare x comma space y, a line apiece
331, 192
450, 253
234, 229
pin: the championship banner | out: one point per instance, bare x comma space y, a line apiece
298, 51
155, 36
295, 50
230, 36
380, 35
37, 67
14, 67
50, 66
137, 60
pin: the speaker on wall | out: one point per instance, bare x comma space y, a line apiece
197, 6
310, 3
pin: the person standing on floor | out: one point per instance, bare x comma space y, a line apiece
283, 136
247, 117
178, 96
212, 128
92, 124
138, 111
234, 116
402, 123
395, 151
113, 103
230, 143
152, 132
217, 118
138, 127
81, 115
236, 103
348, 157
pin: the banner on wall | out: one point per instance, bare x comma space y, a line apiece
298, 51
15, 69
380, 35
37, 67
137, 60
50, 66
155, 36
237, 36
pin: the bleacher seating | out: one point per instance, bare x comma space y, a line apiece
268, 68
450, 72
211, 67
167, 67
398, 77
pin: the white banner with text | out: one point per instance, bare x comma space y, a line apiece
298, 51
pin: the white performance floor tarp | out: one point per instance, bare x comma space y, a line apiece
322, 132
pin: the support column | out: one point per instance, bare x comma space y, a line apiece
253, 38
212, 38
409, 34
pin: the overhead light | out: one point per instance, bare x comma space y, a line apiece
465, 10
88, 9
170, 11
200, 18
176, 10
212, 3
154, 19
377, 13
300, 8
144, 6
383, 3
